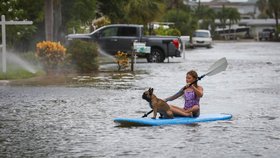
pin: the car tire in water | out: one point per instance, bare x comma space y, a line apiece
156, 56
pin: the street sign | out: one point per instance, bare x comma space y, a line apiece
141, 47
3, 24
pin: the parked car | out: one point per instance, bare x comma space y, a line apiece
266, 34
120, 37
202, 38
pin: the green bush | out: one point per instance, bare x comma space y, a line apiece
173, 32
83, 55
167, 32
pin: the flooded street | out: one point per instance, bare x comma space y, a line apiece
76, 119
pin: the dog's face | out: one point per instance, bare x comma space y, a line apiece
147, 95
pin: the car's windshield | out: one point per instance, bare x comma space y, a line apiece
201, 34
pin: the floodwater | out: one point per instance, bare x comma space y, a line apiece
75, 120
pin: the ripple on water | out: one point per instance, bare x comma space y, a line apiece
76, 120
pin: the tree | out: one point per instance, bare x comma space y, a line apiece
49, 20
48, 17
222, 15
174, 4
127, 11
22, 37
228, 14
184, 21
271, 9
263, 8
233, 16
207, 16
114, 9
141, 11
76, 14
274, 6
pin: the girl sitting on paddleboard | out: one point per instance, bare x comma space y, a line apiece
192, 95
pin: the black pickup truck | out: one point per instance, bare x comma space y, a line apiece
120, 37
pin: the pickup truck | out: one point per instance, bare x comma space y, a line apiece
120, 37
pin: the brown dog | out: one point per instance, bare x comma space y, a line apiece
158, 105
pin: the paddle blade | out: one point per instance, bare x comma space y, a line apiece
217, 67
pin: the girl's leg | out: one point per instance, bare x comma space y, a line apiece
179, 111
193, 109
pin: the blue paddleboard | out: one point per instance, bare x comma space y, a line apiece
174, 121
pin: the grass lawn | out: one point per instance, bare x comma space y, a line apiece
14, 72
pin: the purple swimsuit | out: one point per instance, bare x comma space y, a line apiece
190, 99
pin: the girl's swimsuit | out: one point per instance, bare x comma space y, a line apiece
190, 101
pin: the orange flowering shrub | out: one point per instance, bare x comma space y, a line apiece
122, 60
50, 54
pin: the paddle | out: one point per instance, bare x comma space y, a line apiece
219, 66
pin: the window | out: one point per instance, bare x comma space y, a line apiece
109, 32
127, 31
201, 34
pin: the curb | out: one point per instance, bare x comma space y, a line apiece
4, 82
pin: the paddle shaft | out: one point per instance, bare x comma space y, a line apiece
199, 78
145, 115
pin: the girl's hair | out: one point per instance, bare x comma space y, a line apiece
194, 75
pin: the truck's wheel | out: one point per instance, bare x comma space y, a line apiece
156, 56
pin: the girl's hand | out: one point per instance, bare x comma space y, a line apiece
187, 86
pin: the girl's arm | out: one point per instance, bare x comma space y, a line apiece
175, 96
198, 91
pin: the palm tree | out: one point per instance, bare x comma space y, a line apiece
233, 16
228, 14
222, 15
274, 7
207, 15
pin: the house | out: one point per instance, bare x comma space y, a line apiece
247, 10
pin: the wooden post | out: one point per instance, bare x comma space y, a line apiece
132, 58
3, 25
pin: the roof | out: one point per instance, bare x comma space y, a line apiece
254, 22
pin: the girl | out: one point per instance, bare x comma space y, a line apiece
192, 95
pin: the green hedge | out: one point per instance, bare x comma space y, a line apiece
167, 32
83, 55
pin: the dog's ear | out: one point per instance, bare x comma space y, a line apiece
151, 90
